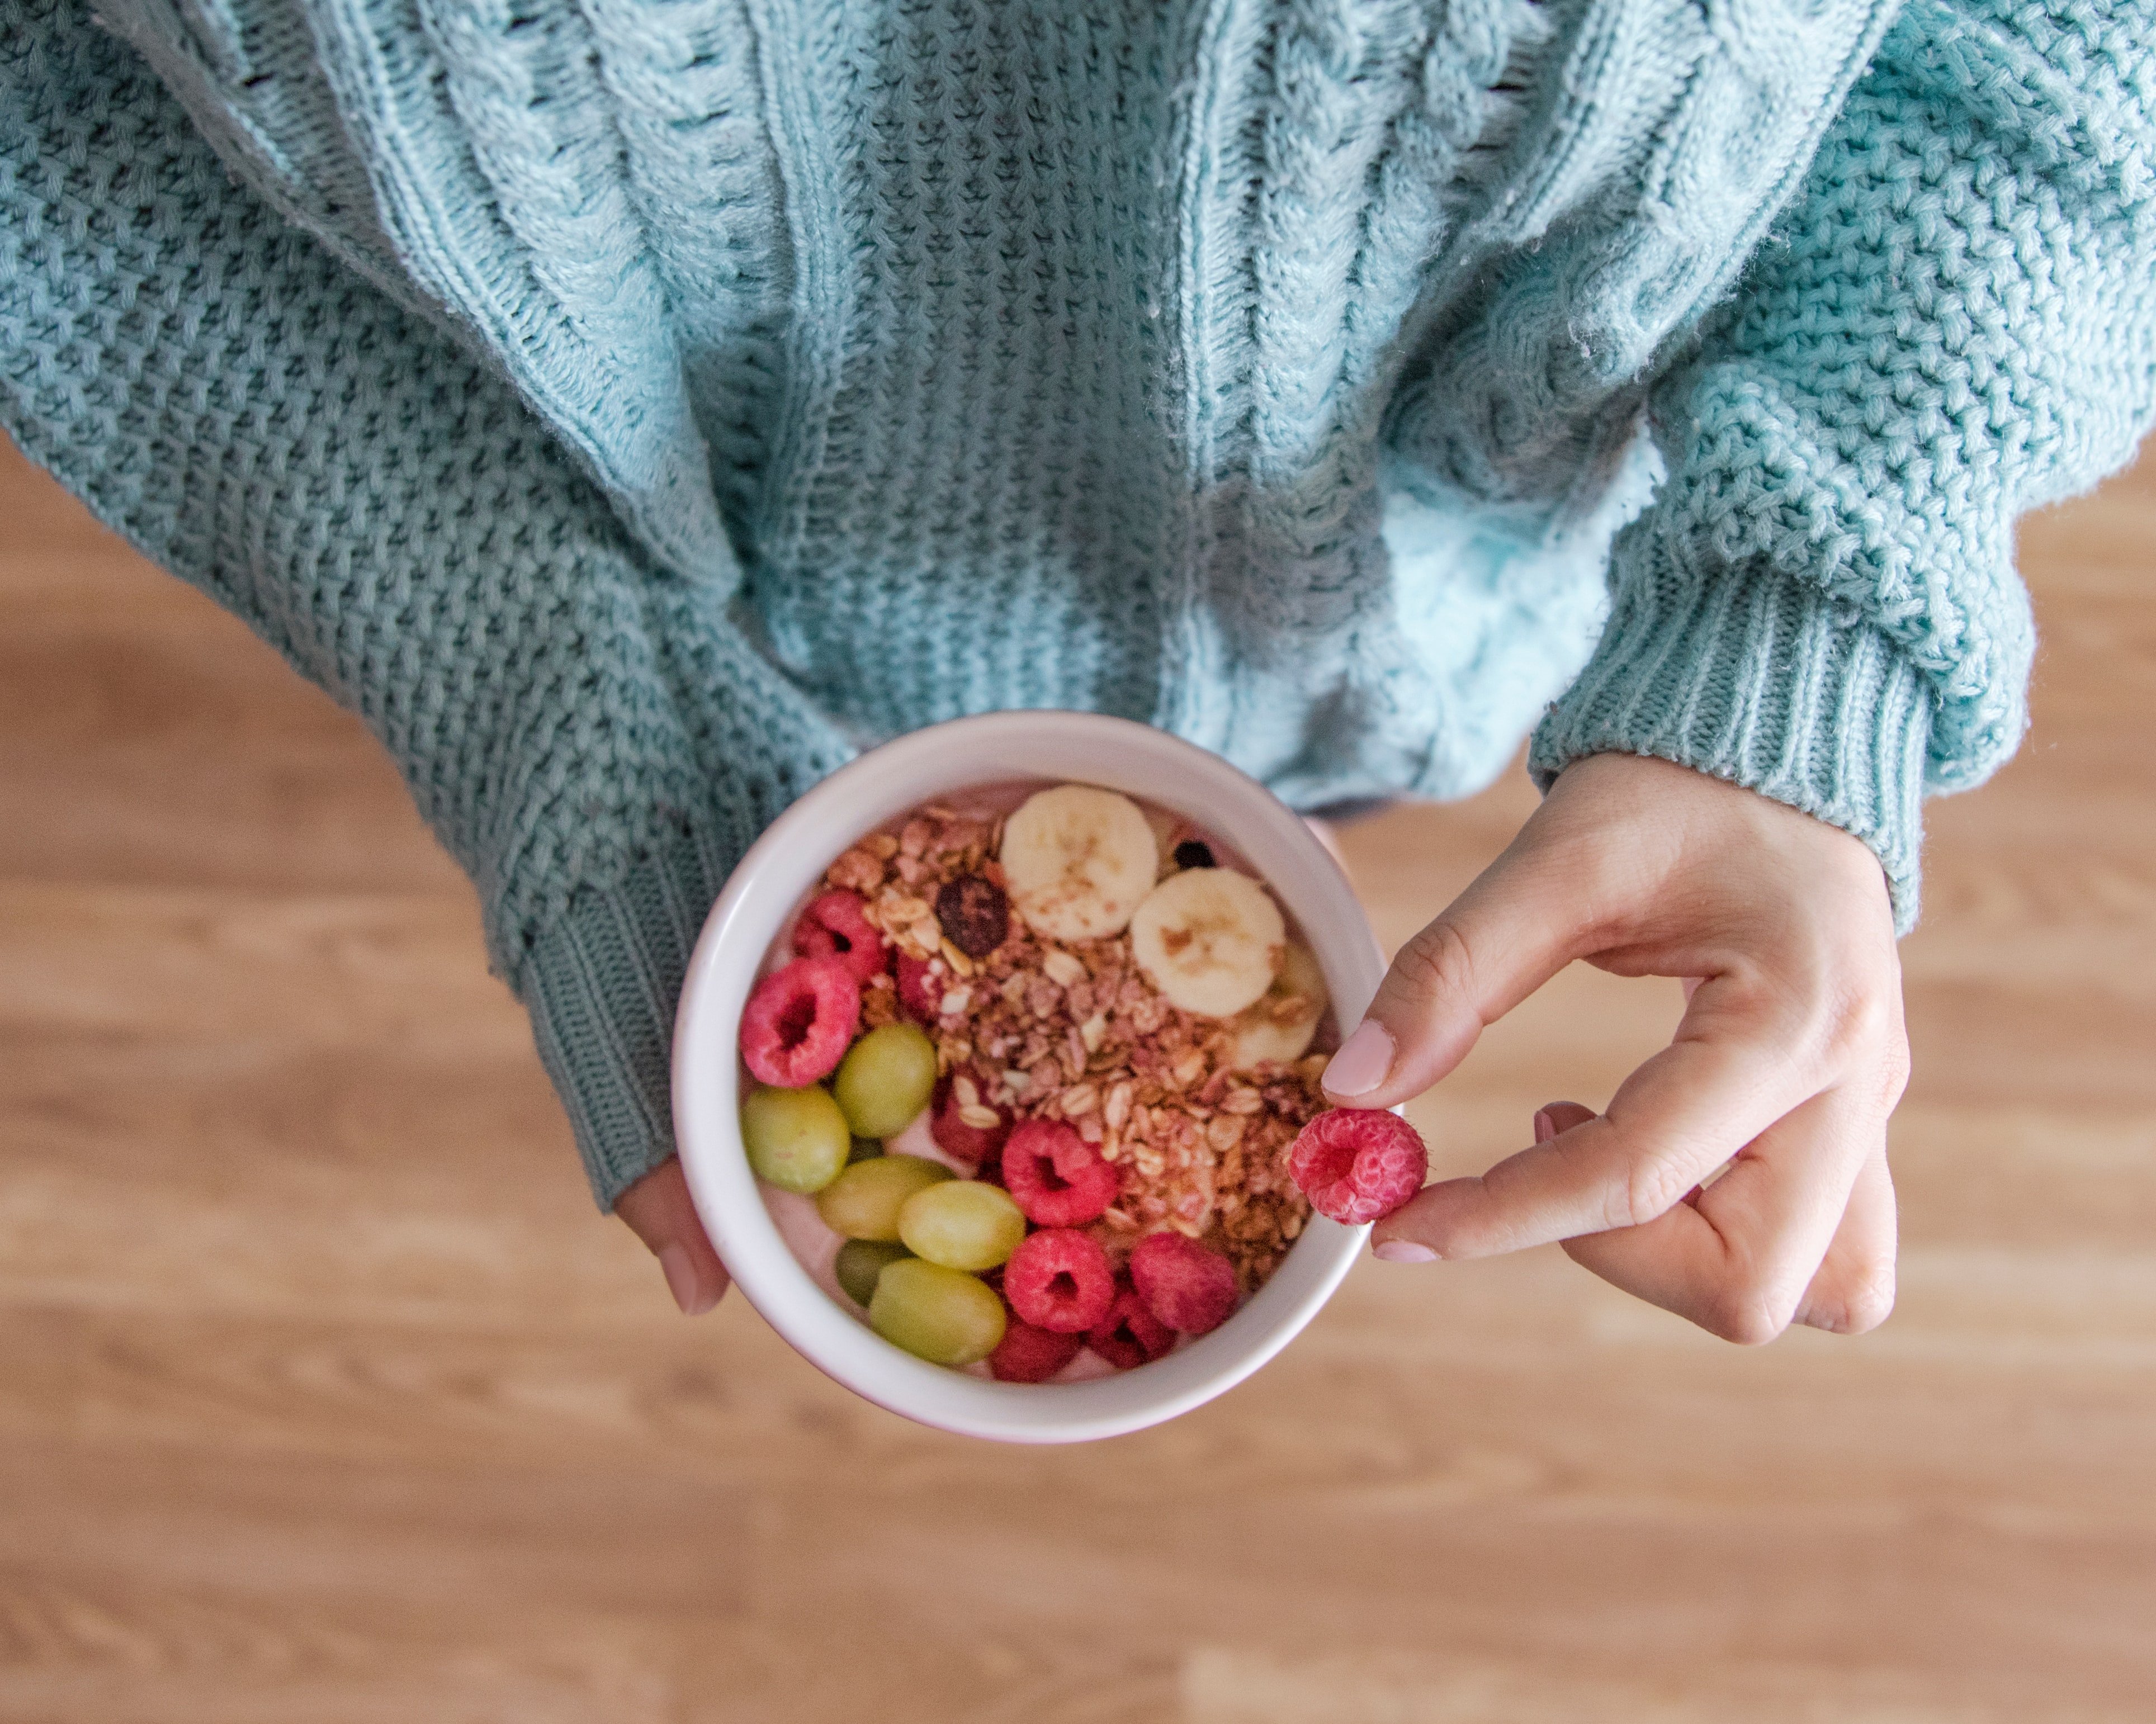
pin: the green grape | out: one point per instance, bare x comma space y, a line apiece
863, 1203
860, 1261
864, 1149
965, 1223
937, 1314
885, 1079
797, 1139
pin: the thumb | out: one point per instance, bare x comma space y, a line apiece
659, 1212
1499, 941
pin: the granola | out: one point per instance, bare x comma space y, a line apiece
1076, 1032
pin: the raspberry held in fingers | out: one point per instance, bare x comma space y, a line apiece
1358, 1164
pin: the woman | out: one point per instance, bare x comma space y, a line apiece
630, 409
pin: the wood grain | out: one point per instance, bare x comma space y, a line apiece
324, 1396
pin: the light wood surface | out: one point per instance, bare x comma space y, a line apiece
324, 1395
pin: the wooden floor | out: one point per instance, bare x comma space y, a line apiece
324, 1395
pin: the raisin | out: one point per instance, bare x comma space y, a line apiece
974, 914
1194, 853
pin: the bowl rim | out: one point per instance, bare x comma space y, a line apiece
765, 889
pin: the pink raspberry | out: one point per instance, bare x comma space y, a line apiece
1026, 1354
1055, 1176
799, 1021
1059, 1279
1358, 1163
1130, 1335
919, 997
1185, 1285
833, 926
978, 1144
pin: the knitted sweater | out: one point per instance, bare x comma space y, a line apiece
629, 408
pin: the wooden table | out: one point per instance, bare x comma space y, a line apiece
324, 1396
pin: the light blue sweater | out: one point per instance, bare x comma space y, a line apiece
629, 408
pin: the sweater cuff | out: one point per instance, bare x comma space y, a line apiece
1761, 680
601, 985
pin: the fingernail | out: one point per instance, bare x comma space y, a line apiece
1362, 1061
1404, 1251
683, 1282
1545, 1126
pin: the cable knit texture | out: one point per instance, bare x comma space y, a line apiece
630, 407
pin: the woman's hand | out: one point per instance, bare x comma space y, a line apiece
1789, 1058
659, 1212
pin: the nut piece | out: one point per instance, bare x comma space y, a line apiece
1060, 967
975, 915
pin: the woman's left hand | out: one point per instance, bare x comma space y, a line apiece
659, 1212
1789, 1058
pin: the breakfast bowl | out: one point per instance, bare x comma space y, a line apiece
778, 1251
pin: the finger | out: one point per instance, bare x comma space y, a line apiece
1559, 1116
1726, 1078
1737, 1259
1518, 924
1854, 1290
1563, 1115
659, 1211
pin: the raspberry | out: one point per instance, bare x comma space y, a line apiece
1059, 1279
832, 926
978, 1144
799, 1020
1358, 1163
974, 915
1058, 1179
1130, 1335
918, 995
1026, 1354
1185, 1285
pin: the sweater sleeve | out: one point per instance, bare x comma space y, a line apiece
1955, 321
588, 732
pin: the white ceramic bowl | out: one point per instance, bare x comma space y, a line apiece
760, 898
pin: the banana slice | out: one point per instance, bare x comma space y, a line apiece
1077, 861
1279, 1027
1210, 939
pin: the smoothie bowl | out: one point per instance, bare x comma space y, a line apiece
989, 1061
